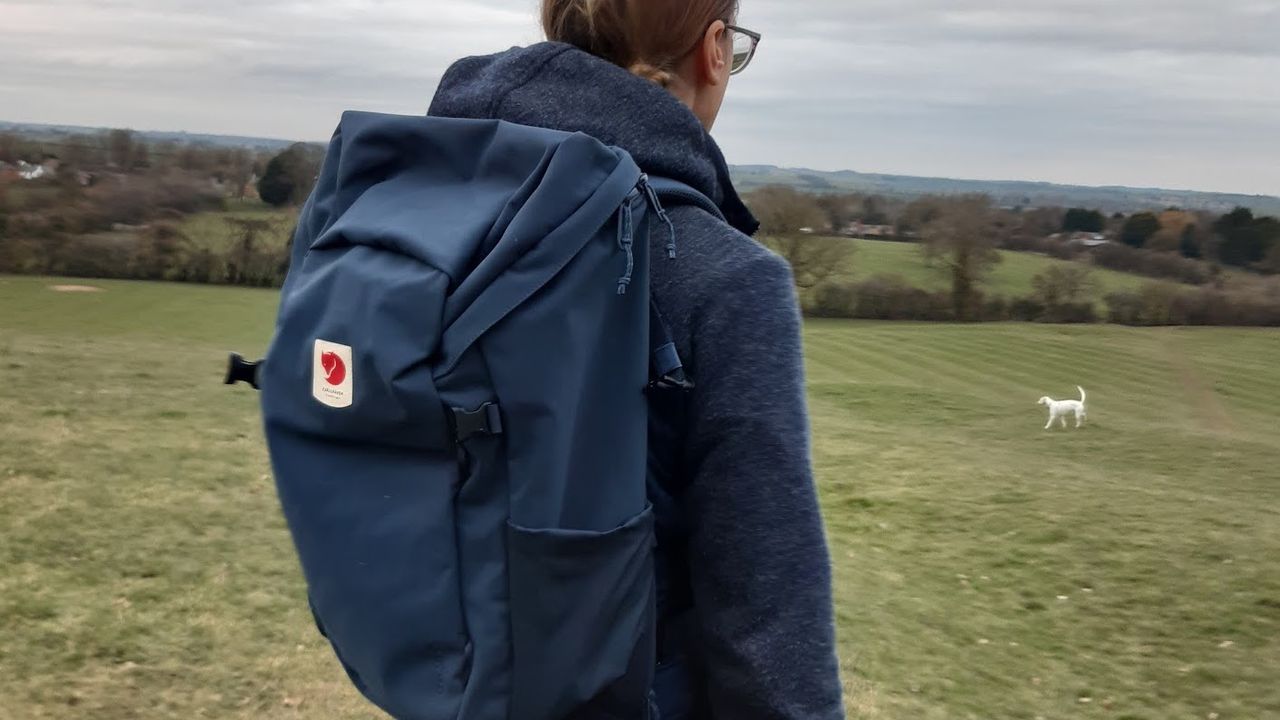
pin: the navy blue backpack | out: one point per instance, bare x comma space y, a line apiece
456, 402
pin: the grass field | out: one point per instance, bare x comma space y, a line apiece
1010, 278
984, 567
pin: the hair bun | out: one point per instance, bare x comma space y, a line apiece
652, 73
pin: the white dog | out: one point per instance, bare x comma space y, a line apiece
1060, 409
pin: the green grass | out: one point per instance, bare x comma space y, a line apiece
957, 523
148, 574
1010, 278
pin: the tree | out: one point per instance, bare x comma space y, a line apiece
276, 187
1115, 224
960, 235
1270, 264
1234, 236
289, 176
1084, 220
244, 265
1245, 240
192, 157
873, 210
1139, 228
918, 214
1061, 285
82, 152
783, 211
1190, 245
813, 260
1174, 225
8, 147
839, 210
120, 148
156, 253
239, 172
1268, 229
141, 159
4, 210
1041, 222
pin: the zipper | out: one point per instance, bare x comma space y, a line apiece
626, 240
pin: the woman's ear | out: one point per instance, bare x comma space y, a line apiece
713, 55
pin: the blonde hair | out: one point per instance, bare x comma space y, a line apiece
647, 37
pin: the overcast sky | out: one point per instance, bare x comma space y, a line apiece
1168, 93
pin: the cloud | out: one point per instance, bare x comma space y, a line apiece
1143, 92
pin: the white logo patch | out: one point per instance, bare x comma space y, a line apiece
332, 381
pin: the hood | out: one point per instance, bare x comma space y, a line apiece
559, 87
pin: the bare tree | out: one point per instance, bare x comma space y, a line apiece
918, 214
784, 211
10, 148
244, 265
1041, 222
120, 148
959, 235
1060, 285
814, 260
240, 172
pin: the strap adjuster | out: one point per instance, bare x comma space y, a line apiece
240, 370
675, 382
484, 420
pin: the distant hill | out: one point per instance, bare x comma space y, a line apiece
1011, 193
1006, 193
55, 132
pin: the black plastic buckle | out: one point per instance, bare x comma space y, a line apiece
241, 370
484, 420
670, 383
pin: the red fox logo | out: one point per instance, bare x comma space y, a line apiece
335, 371
333, 374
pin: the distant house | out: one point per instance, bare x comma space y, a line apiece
29, 171
863, 230
1082, 239
34, 171
1088, 239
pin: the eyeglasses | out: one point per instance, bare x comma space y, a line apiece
745, 43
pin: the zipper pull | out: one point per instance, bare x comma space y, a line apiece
652, 195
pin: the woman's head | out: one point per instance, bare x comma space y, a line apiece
686, 46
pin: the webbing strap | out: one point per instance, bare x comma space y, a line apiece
665, 363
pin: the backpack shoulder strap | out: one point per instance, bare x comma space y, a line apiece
666, 369
674, 192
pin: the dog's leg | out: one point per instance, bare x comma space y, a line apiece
1079, 418
1050, 423
1062, 420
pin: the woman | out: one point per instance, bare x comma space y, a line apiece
747, 627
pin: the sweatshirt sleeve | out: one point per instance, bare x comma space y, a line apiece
760, 565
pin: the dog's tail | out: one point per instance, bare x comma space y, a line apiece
1081, 394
